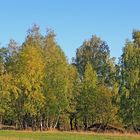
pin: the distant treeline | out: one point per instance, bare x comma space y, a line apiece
39, 89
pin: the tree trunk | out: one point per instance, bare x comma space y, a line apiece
20, 124
135, 129
58, 125
55, 125
41, 124
24, 122
47, 123
33, 124
75, 124
92, 120
85, 123
0, 122
16, 124
71, 124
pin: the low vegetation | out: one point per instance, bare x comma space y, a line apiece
18, 135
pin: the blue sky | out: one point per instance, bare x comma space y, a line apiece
72, 20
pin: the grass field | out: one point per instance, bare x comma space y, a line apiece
18, 135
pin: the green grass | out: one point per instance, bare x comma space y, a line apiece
18, 135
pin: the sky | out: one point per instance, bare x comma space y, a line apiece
73, 21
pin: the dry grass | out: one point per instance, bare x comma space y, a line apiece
13, 138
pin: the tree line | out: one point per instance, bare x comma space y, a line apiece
39, 89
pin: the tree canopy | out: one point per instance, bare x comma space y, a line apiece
39, 89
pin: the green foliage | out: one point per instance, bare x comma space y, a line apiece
40, 89
97, 53
105, 112
88, 91
56, 79
130, 83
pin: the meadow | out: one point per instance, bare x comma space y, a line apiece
52, 135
